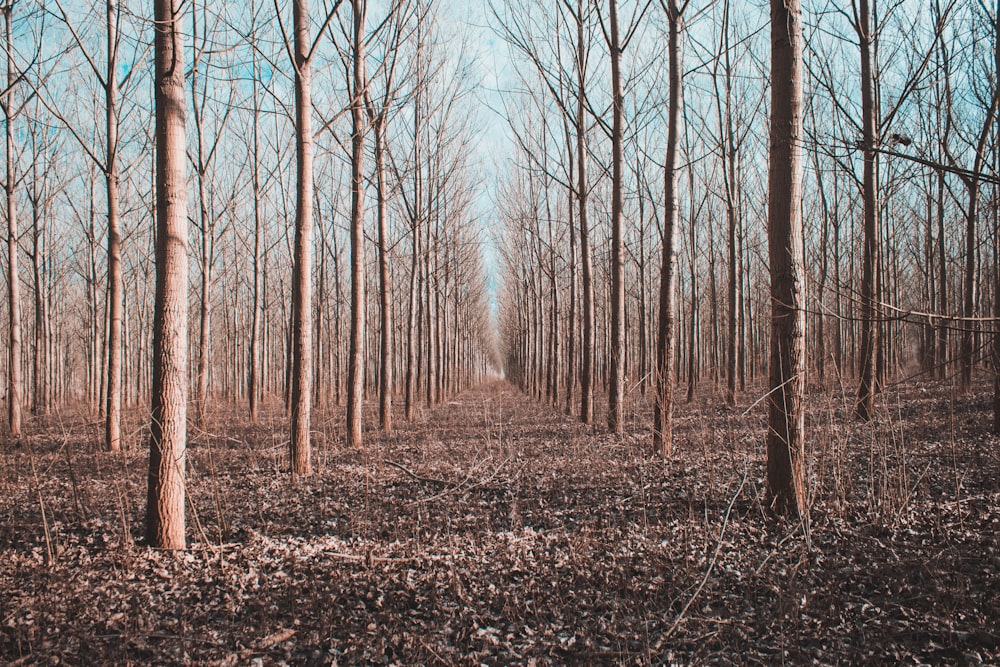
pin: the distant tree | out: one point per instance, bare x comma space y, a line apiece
378, 115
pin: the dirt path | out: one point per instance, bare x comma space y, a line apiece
493, 531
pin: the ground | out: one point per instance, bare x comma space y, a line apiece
494, 530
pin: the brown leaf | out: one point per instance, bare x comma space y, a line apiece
275, 638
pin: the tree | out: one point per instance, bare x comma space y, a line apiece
355, 368
665, 342
109, 165
113, 411
378, 116
168, 423
586, 254
617, 382
301, 396
971, 179
253, 376
15, 379
203, 161
870, 289
786, 417
727, 152
301, 330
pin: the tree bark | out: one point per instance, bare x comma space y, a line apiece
254, 380
970, 328
870, 288
168, 423
786, 417
412, 329
301, 366
616, 389
663, 413
15, 380
355, 369
586, 255
385, 285
113, 409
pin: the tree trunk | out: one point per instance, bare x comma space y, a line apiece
168, 423
412, 328
355, 369
254, 380
617, 379
586, 255
113, 409
571, 328
942, 329
385, 287
869, 268
663, 414
301, 331
970, 329
40, 359
15, 381
786, 417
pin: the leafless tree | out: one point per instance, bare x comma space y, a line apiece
786, 415
168, 424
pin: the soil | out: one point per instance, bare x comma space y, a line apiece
495, 530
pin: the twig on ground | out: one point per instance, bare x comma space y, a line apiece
419, 478
711, 565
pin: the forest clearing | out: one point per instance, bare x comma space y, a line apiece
496, 531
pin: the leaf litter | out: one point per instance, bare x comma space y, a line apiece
496, 531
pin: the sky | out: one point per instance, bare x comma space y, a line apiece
495, 147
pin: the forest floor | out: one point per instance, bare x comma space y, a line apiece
495, 530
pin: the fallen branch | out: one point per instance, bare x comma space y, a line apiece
711, 565
419, 478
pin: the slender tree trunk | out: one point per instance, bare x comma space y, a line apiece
254, 381
205, 308
355, 369
39, 363
970, 329
205, 223
301, 330
412, 329
786, 417
571, 328
996, 299
617, 379
385, 287
94, 348
113, 409
996, 234
319, 349
15, 381
663, 414
692, 377
641, 270
870, 288
586, 255
412, 343
168, 423
942, 330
